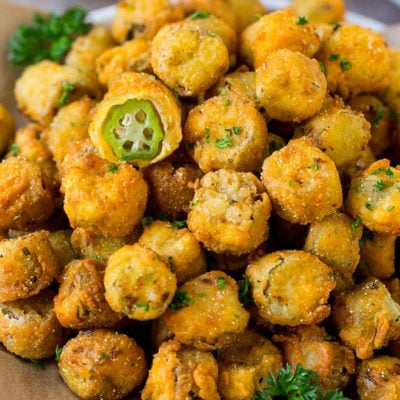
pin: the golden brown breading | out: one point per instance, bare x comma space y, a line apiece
7, 129
206, 312
390, 93
246, 11
29, 327
102, 364
230, 212
60, 241
302, 181
179, 372
366, 317
138, 283
325, 11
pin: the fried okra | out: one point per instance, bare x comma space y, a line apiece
52, 86
60, 241
290, 86
366, 317
335, 240
102, 364
7, 129
390, 93
177, 247
244, 364
275, 31
246, 11
138, 283
374, 198
181, 372
187, 58
291, 287
26, 200
104, 198
226, 131
315, 350
323, 11
80, 301
29, 327
379, 378
141, 19
138, 121
206, 312
302, 181
133, 55
28, 264
230, 212
356, 60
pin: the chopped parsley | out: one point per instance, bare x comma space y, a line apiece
356, 224
301, 21
67, 89
178, 224
193, 203
379, 185
380, 112
368, 206
334, 57
113, 168
199, 14
171, 263
390, 208
227, 102
14, 148
222, 143
345, 64
208, 135
58, 352
221, 282
180, 300
147, 220
387, 172
141, 304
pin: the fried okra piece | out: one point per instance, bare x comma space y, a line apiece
52, 86
26, 200
390, 94
290, 86
60, 241
315, 350
356, 60
29, 327
138, 121
104, 198
302, 181
7, 129
226, 131
86, 48
177, 247
28, 264
379, 378
230, 212
102, 364
291, 287
374, 198
80, 301
366, 317
206, 312
244, 364
278, 30
335, 240
181, 372
246, 12
138, 283
187, 58
323, 11
133, 55
342, 133
141, 19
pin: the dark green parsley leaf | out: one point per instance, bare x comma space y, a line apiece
58, 352
379, 185
193, 203
147, 220
221, 282
345, 64
334, 57
244, 290
67, 89
380, 112
387, 172
180, 300
141, 304
227, 102
113, 168
301, 21
38, 363
199, 14
222, 143
322, 66
356, 223
14, 148
208, 135
178, 224
171, 263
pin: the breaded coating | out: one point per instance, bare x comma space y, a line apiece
187, 58
26, 201
96, 195
290, 86
7, 129
246, 11
390, 93
133, 55
366, 317
138, 120
315, 350
179, 372
226, 131
230, 212
177, 247
325, 11
60, 241
291, 287
52, 86
356, 60
274, 31
374, 197
29, 327
302, 181
141, 19
206, 312
342, 133
86, 48
379, 378
138, 283
80, 301
102, 364
335, 240
244, 364
28, 264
